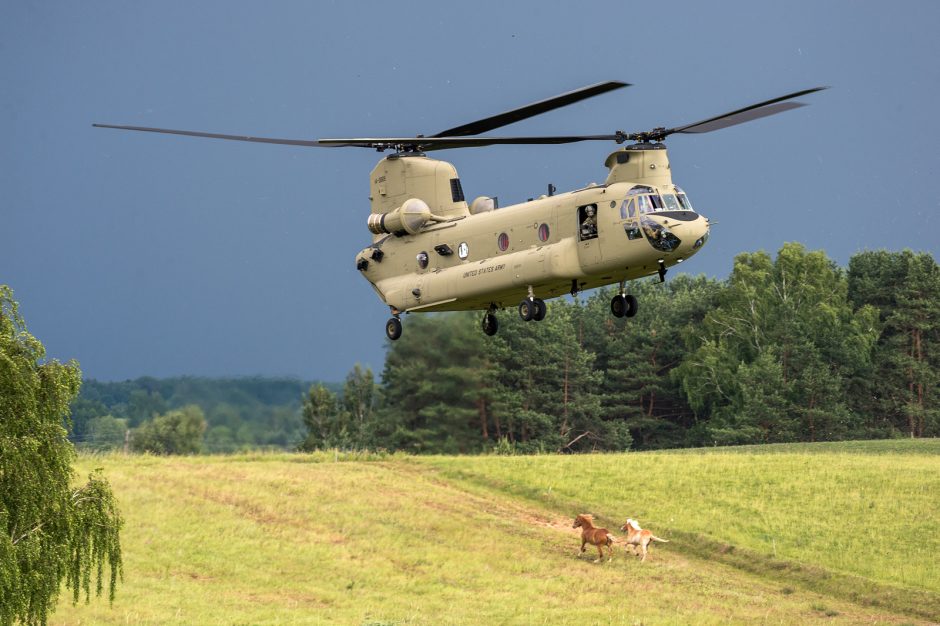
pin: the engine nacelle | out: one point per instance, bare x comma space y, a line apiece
483, 204
408, 218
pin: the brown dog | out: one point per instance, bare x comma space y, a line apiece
636, 536
597, 537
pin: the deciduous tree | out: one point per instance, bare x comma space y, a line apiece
50, 529
174, 432
772, 357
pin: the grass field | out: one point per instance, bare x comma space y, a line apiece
834, 533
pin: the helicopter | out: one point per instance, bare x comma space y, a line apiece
431, 250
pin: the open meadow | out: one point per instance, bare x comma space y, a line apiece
835, 533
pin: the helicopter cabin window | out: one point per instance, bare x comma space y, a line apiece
544, 233
587, 218
503, 242
456, 191
422, 260
628, 208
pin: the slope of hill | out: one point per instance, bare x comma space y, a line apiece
317, 539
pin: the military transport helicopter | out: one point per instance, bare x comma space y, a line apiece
432, 251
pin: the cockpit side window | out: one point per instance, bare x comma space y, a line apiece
683, 199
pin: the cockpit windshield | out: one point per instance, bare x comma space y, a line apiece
646, 199
643, 199
672, 204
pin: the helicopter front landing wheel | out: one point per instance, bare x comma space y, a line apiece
624, 305
527, 309
490, 324
393, 328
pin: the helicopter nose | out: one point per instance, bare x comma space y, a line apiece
699, 230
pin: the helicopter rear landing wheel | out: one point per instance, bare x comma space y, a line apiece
624, 305
393, 328
490, 324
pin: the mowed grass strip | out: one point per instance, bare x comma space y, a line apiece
868, 510
277, 540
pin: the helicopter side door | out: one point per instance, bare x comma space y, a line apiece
588, 226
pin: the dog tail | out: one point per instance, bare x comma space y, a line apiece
658, 539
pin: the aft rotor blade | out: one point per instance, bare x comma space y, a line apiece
191, 133
530, 110
752, 112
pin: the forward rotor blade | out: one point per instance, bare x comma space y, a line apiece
752, 112
426, 144
379, 143
190, 133
530, 110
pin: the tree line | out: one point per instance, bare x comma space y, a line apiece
189, 414
792, 348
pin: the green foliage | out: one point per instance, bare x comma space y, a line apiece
790, 348
105, 433
175, 432
241, 413
438, 388
50, 531
549, 393
346, 424
639, 354
770, 361
325, 427
532, 386
902, 381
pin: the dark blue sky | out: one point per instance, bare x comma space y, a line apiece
140, 254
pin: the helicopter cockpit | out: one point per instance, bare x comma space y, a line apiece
643, 202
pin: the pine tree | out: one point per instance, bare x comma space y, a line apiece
903, 379
641, 352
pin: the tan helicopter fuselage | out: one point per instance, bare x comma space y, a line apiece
439, 254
